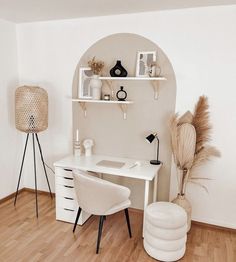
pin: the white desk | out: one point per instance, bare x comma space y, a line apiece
145, 171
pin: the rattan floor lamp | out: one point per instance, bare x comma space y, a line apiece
31, 117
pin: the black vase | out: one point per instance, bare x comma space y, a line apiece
118, 70
121, 94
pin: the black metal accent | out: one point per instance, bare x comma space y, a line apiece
99, 232
68, 186
35, 178
21, 168
68, 178
45, 171
67, 169
128, 222
77, 218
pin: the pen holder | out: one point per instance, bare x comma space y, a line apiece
77, 149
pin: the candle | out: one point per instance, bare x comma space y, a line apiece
77, 135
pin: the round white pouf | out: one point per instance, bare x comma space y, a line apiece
165, 231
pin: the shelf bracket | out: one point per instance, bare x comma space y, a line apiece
156, 87
111, 87
123, 108
84, 108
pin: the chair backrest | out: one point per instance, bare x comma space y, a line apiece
95, 195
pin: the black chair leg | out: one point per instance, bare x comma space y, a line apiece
128, 222
77, 218
100, 232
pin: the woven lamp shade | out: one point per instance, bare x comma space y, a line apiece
31, 109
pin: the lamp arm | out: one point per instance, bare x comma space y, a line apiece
157, 148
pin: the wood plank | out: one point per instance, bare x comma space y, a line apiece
25, 238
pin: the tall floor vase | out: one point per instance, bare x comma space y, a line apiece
183, 202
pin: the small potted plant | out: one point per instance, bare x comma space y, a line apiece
95, 83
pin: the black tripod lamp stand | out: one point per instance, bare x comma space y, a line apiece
150, 139
31, 117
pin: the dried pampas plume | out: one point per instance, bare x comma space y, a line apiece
190, 134
201, 122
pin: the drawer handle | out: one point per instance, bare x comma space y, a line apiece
69, 198
68, 178
69, 170
67, 209
68, 186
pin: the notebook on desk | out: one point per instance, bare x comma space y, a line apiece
111, 164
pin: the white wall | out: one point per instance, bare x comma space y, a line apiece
200, 44
10, 139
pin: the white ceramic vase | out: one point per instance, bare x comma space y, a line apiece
182, 201
96, 87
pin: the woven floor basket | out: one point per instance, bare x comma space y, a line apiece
31, 109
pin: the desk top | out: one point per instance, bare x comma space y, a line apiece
145, 171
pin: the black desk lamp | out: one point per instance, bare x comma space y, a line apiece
149, 139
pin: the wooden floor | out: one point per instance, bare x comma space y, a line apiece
24, 238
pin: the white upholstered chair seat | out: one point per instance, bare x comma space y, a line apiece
100, 197
118, 208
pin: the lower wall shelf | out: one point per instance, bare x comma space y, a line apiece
122, 104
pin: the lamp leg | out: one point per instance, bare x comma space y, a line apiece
35, 178
21, 168
45, 171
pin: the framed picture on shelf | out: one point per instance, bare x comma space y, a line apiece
145, 61
85, 74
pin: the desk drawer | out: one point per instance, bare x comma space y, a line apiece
68, 215
66, 202
64, 181
65, 191
64, 172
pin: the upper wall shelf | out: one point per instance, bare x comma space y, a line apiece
122, 104
159, 78
154, 81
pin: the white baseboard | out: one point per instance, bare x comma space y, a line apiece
214, 222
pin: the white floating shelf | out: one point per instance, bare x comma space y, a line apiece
122, 104
102, 101
128, 78
154, 81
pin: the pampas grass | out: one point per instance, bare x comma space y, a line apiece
190, 135
201, 122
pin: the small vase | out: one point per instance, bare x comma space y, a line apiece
121, 94
183, 202
96, 87
118, 70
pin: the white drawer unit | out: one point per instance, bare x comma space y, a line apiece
66, 204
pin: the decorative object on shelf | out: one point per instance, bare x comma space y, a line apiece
121, 94
96, 87
31, 117
106, 97
77, 148
85, 74
88, 144
118, 70
145, 61
150, 139
154, 70
190, 135
95, 83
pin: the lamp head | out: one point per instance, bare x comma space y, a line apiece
151, 137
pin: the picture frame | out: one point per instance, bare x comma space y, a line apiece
144, 63
85, 74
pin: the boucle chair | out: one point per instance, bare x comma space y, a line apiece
100, 197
